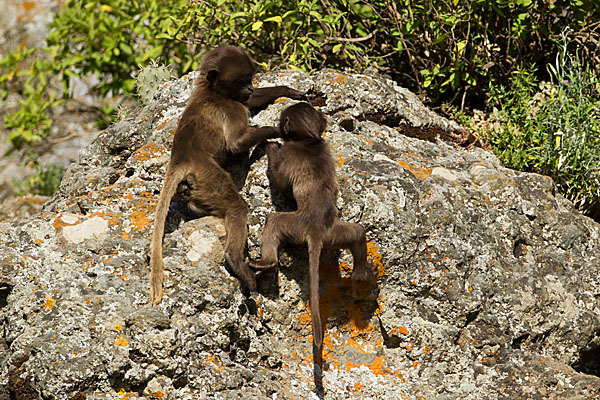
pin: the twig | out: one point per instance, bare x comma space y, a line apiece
353, 40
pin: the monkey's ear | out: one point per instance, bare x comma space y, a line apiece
211, 75
286, 125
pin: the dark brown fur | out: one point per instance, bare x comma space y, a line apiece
304, 164
213, 125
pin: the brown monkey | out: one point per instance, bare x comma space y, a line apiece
214, 125
304, 164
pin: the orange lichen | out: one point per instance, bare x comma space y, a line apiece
417, 171
341, 160
367, 141
148, 151
58, 223
358, 386
364, 78
111, 218
28, 5
118, 327
121, 341
373, 252
341, 79
426, 350
139, 220
376, 366
415, 364
50, 302
400, 329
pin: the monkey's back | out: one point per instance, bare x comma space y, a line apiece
203, 126
310, 170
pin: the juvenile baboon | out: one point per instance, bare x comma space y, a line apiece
304, 164
214, 125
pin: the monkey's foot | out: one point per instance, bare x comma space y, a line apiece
156, 292
242, 272
368, 273
261, 265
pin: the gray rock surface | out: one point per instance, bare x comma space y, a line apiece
489, 282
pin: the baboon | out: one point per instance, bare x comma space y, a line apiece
214, 125
304, 164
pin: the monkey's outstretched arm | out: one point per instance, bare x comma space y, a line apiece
251, 137
265, 95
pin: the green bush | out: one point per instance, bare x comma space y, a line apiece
551, 127
44, 182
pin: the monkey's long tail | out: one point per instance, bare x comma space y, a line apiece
314, 253
172, 179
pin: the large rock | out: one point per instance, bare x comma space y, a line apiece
489, 281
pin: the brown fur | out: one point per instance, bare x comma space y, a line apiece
213, 125
304, 164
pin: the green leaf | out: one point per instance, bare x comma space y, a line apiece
277, 19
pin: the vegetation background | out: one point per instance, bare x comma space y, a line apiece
523, 75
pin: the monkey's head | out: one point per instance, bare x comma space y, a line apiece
301, 122
228, 71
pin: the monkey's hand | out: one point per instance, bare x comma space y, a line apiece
241, 270
297, 94
367, 274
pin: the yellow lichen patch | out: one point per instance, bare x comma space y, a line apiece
111, 218
341, 79
59, 223
50, 302
399, 329
279, 100
157, 395
148, 151
417, 171
353, 343
139, 220
377, 367
367, 141
121, 341
373, 252
212, 360
118, 327
29, 5
341, 160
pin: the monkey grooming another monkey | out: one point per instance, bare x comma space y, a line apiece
304, 164
214, 125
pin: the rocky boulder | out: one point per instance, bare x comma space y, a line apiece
489, 281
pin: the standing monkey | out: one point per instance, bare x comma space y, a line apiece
213, 125
304, 164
